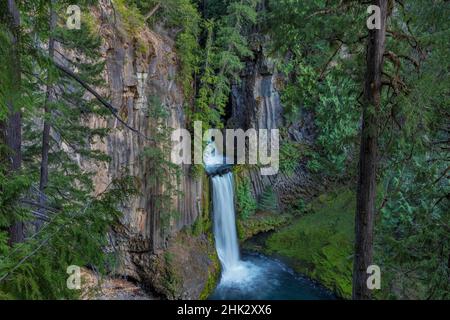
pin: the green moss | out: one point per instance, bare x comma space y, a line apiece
213, 277
172, 280
261, 222
203, 224
320, 244
197, 171
133, 23
132, 19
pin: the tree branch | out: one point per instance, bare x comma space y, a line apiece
322, 73
152, 12
99, 98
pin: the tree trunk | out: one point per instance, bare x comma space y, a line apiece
43, 181
366, 192
14, 123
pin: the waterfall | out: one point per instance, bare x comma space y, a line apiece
224, 222
254, 277
234, 270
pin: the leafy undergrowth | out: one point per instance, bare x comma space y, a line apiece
320, 244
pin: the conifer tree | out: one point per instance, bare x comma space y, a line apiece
226, 47
13, 125
368, 161
75, 221
268, 201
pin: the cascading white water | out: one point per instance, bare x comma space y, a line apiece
256, 277
234, 270
224, 221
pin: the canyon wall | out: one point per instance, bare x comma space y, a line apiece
158, 249
256, 103
141, 70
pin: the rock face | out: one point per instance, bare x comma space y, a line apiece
256, 103
97, 288
136, 78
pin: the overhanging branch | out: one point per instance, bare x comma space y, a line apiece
152, 12
105, 103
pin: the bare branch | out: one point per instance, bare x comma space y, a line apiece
152, 12
99, 98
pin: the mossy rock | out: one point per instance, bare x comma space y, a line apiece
187, 269
213, 277
260, 222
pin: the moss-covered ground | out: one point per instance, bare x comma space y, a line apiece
320, 243
259, 223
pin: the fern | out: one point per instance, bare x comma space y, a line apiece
246, 203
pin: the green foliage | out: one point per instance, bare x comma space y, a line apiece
12, 188
290, 156
209, 49
314, 26
184, 17
337, 120
260, 223
210, 116
183, 14
301, 91
245, 202
76, 235
132, 22
319, 47
413, 241
321, 243
336, 117
6, 87
225, 46
268, 201
324, 46
322, 75
77, 223
131, 17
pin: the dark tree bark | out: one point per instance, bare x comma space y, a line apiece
365, 201
14, 123
43, 181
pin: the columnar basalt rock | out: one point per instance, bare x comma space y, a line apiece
132, 76
256, 103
